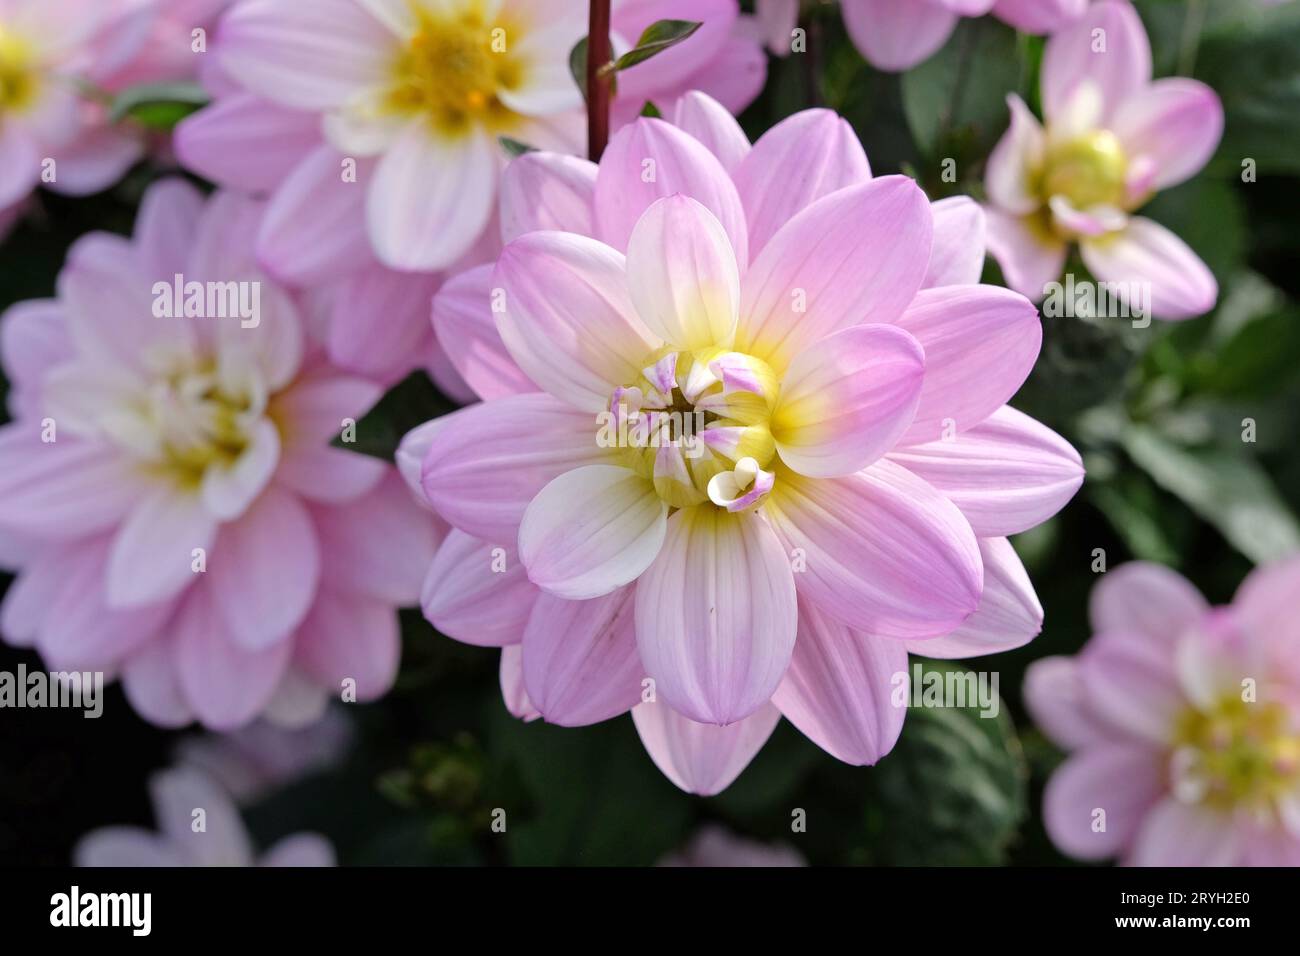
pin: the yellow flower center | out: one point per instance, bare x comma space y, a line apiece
1238, 754
1088, 171
452, 69
19, 78
697, 423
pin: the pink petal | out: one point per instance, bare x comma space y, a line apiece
34, 339
477, 593
737, 75
847, 400
567, 318
839, 686
798, 161
1055, 698
166, 227
702, 758
1118, 71
682, 275
541, 190
179, 791
1007, 474
1124, 782
1181, 286
487, 462
1132, 686
1265, 608
1174, 122
1009, 615
1030, 257
855, 257
1175, 834
327, 474
1012, 171
152, 685
713, 125
20, 157
246, 142
379, 321
1146, 599
716, 615
649, 159
896, 35
980, 344
957, 256
581, 664
350, 638
119, 846
466, 327
512, 684
884, 552
152, 554
592, 530
300, 850
632, 17
1038, 16
227, 491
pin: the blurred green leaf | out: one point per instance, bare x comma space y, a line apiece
158, 106
515, 147
411, 402
659, 36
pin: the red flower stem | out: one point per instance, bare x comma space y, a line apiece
599, 78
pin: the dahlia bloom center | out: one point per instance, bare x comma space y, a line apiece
202, 421
451, 70
1236, 754
698, 424
18, 74
1088, 170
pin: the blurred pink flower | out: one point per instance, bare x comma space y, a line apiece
414, 96
896, 35
1183, 723
855, 481
1113, 139
222, 839
713, 846
140, 437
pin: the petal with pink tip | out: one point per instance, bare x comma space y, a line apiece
1176, 123
682, 275
1146, 599
855, 257
567, 319
881, 550
896, 35
1131, 684
957, 256
1010, 176
798, 161
716, 615
649, 159
166, 227
478, 593
379, 321
466, 327
541, 190
713, 125
703, 759
152, 685
581, 664
347, 637
592, 530
1122, 781
1009, 615
980, 344
487, 462
847, 400
1007, 474
1055, 698
1038, 16
1029, 254
1265, 607
246, 142
839, 686
1146, 255
152, 554
1107, 47
511, 678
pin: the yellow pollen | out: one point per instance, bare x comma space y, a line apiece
452, 70
1242, 754
201, 424
1088, 171
19, 78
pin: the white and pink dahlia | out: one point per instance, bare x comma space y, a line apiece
746, 444
1113, 138
168, 490
896, 35
1182, 722
415, 94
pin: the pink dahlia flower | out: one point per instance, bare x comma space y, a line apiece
179, 517
713, 846
219, 840
746, 443
416, 94
1112, 139
1182, 722
896, 35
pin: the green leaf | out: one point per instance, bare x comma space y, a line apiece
952, 791
158, 106
578, 65
1228, 490
411, 402
651, 110
659, 36
515, 147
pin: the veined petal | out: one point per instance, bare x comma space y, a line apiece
568, 320
487, 462
1009, 177
896, 35
246, 142
1176, 123
839, 687
1007, 474
349, 637
980, 344
1029, 254
798, 161
713, 125
581, 664
1123, 781
1038, 16
716, 615
957, 256
592, 530
478, 593
1117, 60
153, 551
1141, 597
682, 274
848, 399
881, 550
1147, 255
1054, 696
702, 758
541, 190
1131, 683
855, 257
467, 330
511, 679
